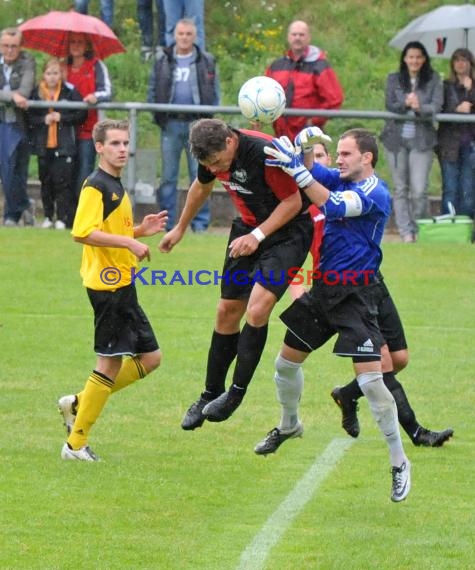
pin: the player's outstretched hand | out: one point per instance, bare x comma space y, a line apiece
309, 136
284, 156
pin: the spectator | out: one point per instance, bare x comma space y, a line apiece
53, 138
145, 18
91, 78
182, 74
176, 10
456, 141
106, 10
17, 80
271, 235
416, 90
125, 344
308, 80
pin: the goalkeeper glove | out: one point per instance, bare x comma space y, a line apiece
308, 137
285, 157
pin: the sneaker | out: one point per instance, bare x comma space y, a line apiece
276, 437
29, 214
194, 418
429, 438
47, 224
401, 481
59, 225
224, 406
349, 409
67, 407
82, 454
9, 223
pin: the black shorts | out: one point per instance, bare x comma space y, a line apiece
389, 321
271, 262
349, 311
121, 326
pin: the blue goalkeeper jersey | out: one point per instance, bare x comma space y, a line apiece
354, 223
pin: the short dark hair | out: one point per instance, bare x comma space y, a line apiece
100, 129
365, 141
207, 137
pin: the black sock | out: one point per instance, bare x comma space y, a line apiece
352, 390
222, 352
250, 347
406, 415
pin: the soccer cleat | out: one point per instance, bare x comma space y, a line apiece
84, 453
194, 418
276, 437
429, 438
224, 406
349, 408
67, 407
401, 481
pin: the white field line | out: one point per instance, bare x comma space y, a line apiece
255, 554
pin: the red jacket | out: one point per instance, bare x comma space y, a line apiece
309, 83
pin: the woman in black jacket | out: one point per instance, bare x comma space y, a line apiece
456, 141
53, 139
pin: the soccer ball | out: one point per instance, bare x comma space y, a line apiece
261, 99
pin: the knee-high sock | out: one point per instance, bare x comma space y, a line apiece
289, 382
406, 415
352, 390
130, 371
249, 351
93, 399
222, 352
384, 411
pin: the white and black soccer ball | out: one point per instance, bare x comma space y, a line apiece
261, 99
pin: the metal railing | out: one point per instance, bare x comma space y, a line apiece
132, 108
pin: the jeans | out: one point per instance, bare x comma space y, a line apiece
145, 18
458, 182
410, 169
15, 181
107, 9
174, 140
191, 9
85, 163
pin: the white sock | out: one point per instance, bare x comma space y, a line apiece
289, 384
384, 410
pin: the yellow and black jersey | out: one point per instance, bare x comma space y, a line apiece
104, 205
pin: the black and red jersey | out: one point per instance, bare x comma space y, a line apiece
255, 189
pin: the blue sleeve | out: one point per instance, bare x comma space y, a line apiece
328, 177
357, 203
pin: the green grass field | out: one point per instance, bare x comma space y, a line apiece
167, 499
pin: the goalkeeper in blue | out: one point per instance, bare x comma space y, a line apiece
343, 299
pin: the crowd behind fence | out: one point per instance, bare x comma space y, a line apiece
133, 108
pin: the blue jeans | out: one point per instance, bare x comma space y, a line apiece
107, 9
174, 140
458, 183
85, 163
145, 18
15, 181
191, 9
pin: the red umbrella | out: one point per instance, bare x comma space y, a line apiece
50, 33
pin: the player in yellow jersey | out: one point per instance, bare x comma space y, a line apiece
124, 341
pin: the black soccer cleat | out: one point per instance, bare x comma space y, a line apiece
275, 438
224, 406
428, 438
349, 409
194, 418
